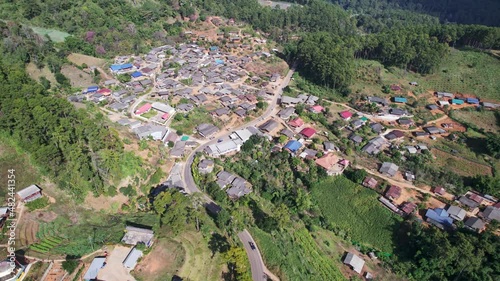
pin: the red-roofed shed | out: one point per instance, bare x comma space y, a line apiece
143, 109
308, 132
317, 109
297, 122
346, 115
104, 92
393, 192
165, 116
439, 190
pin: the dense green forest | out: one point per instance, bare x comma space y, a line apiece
483, 12
76, 149
395, 33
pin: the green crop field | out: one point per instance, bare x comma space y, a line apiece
296, 256
355, 210
54, 35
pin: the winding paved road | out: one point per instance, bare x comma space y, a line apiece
259, 270
189, 183
254, 256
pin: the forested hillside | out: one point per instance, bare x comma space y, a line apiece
460, 11
74, 148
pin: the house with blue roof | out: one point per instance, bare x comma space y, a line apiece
94, 268
214, 48
457, 101
219, 61
92, 89
439, 217
120, 67
400, 100
293, 146
136, 74
472, 101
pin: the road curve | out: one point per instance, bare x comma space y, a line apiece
254, 256
189, 183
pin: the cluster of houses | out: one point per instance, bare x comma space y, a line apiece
234, 185
447, 99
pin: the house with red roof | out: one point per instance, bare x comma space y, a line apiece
297, 122
316, 109
308, 132
165, 116
393, 192
346, 115
332, 164
143, 109
439, 190
104, 92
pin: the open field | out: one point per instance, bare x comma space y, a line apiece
77, 77
80, 59
486, 119
355, 212
334, 247
162, 262
460, 165
36, 73
199, 263
13, 158
194, 118
294, 255
467, 72
54, 35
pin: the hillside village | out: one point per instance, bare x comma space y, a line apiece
203, 100
209, 74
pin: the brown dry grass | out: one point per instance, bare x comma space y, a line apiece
35, 73
162, 262
77, 77
80, 59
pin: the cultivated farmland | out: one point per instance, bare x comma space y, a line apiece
355, 211
295, 255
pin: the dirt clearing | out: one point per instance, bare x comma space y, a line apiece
162, 262
35, 73
80, 59
77, 77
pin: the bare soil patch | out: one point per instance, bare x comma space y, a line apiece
103, 202
261, 68
77, 77
35, 73
80, 59
162, 262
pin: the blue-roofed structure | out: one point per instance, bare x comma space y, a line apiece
132, 258
214, 48
293, 145
136, 74
440, 216
92, 89
94, 268
457, 101
118, 67
400, 99
472, 100
219, 61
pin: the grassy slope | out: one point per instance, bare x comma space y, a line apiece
295, 255
467, 72
356, 210
13, 158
